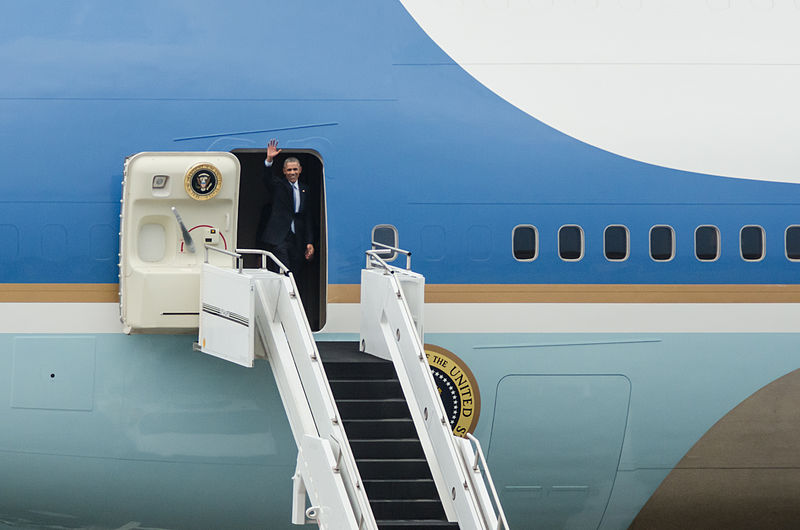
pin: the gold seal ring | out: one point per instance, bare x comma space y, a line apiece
457, 387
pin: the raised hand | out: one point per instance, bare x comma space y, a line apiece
272, 150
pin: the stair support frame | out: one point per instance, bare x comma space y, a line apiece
389, 331
290, 344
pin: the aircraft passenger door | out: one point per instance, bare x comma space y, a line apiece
173, 204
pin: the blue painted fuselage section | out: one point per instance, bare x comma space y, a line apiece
405, 135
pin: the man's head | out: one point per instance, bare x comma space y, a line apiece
292, 169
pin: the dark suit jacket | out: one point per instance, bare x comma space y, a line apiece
282, 213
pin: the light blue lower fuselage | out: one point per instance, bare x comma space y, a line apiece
579, 429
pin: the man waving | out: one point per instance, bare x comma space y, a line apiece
288, 233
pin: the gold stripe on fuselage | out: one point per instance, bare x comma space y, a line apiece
59, 292
465, 293
589, 293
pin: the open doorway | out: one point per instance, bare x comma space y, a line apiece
254, 210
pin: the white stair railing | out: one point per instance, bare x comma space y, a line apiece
389, 330
286, 321
478, 462
326, 468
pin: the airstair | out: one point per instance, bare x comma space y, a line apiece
375, 449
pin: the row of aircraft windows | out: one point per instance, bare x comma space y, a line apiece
616, 243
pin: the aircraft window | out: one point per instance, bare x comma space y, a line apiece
387, 235
525, 242
570, 242
751, 240
793, 242
152, 242
706, 243
9, 235
615, 243
662, 243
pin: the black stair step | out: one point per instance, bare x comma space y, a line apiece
424, 524
344, 351
408, 509
372, 408
383, 429
373, 468
358, 370
387, 448
415, 488
366, 389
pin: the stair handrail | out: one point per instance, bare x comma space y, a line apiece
235, 255
264, 255
332, 418
345, 455
374, 253
475, 509
238, 255
502, 522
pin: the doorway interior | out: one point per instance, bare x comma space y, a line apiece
254, 209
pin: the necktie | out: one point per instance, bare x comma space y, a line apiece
295, 200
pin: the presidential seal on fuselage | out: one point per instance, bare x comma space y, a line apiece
458, 389
202, 182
